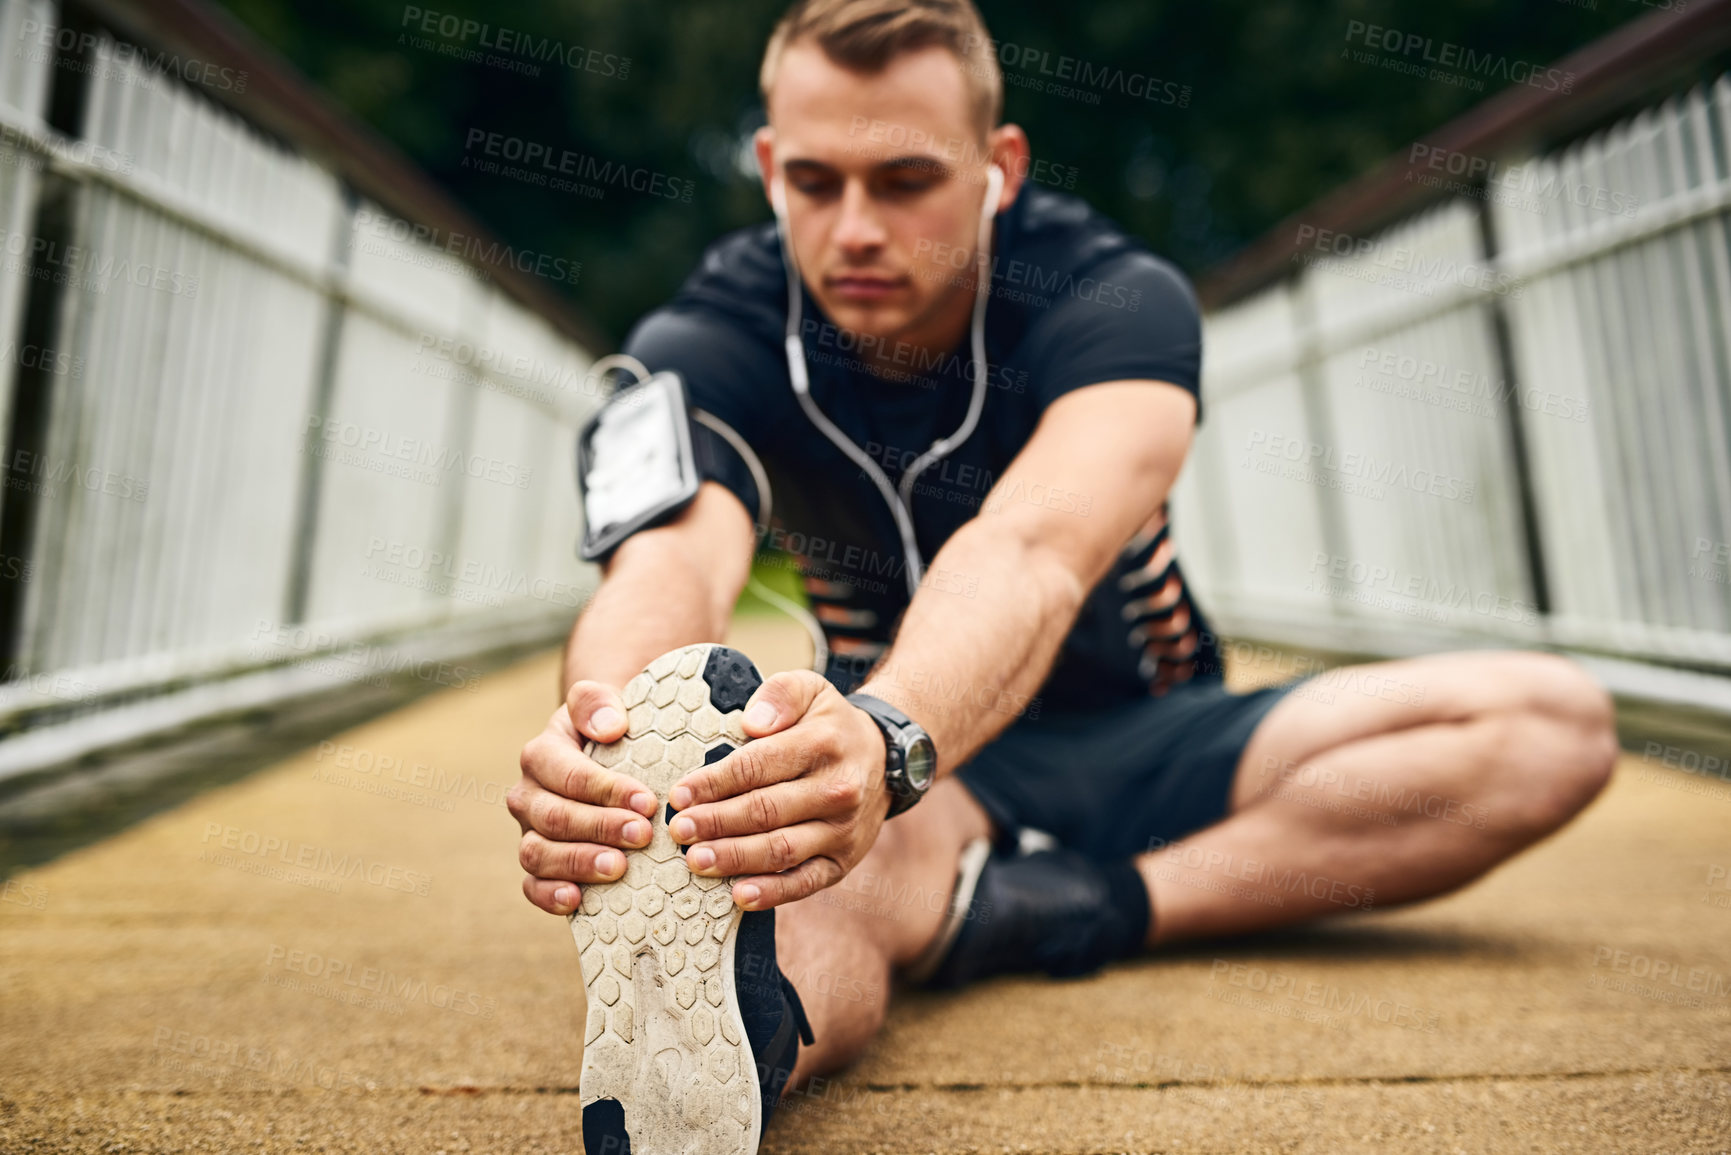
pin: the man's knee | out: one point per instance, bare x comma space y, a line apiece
1562, 688
1561, 738
947, 819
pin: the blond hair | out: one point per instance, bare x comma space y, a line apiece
865, 35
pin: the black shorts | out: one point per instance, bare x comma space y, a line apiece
1123, 779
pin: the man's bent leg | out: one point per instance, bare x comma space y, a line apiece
1388, 783
839, 946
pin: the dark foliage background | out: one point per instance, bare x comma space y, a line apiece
1277, 114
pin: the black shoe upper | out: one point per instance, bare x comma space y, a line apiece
775, 1022
1053, 911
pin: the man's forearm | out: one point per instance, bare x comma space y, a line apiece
667, 587
982, 633
634, 618
978, 639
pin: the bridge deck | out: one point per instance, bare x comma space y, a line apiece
176, 988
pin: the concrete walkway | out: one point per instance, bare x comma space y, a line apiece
333, 955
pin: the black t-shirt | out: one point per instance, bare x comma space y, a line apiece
1074, 302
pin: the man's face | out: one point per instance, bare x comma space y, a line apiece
884, 177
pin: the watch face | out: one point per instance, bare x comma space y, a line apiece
921, 763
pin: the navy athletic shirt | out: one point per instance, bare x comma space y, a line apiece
1074, 302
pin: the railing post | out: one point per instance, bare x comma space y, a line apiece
1527, 502
306, 523
1318, 415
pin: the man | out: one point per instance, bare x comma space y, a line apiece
985, 543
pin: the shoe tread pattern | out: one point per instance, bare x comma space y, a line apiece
663, 1032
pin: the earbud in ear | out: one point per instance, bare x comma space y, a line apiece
994, 186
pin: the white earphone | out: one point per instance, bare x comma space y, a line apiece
898, 501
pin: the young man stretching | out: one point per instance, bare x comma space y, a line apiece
967, 416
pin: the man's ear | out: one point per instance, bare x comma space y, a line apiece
1010, 152
763, 144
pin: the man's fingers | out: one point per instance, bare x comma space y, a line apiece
550, 895
768, 853
596, 711
781, 701
569, 861
757, 811
761, 892
555, 762
752, 766
562, 820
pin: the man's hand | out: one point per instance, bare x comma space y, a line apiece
576, 815
796, 808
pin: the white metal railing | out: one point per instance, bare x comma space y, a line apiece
1358, 480
283, 424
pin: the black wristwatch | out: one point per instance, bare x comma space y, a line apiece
910, 759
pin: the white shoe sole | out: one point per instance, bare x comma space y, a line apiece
664, 1040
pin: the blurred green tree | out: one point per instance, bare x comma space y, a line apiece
1276, 114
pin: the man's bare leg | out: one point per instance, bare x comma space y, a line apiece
839, 946
1337, 800
1382, 801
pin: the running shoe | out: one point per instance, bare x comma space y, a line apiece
692, 1029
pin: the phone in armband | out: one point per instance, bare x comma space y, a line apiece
634, 462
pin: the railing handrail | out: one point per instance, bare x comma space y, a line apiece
1611, 74
278, 100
